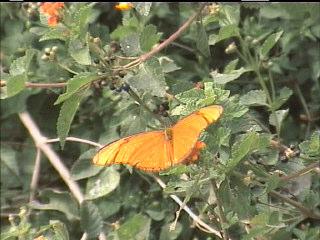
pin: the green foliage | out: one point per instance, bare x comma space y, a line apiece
259, 62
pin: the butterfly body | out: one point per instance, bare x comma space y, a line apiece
158, 150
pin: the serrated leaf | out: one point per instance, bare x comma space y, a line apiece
75, 84
284, 95
254, 98
81, 19
269, 43
55, 33
16, 84
148, 38
102, 184
168, 65
9, 168
122, 31
224, 33
130, 45
91, 220
278, 116
143, 8
60, 231
79, 51
21, 64
83, 167
223, 78
231, 66
66, 115
311, 147
137, 227
231, 14
202, 40
242, 148
149, 78
59, 201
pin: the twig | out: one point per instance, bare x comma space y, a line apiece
38, 85
305, 211
188, 210
35, 175
75, 139
301, 172
165, 43
222, 217
54, 159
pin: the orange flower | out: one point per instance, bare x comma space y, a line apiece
194, 156
52, 10
123, 6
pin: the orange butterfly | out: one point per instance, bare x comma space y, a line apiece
158, 150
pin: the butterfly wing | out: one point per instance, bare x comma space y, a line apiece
149, 151
185, 133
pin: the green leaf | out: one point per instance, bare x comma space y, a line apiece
16, 84
224, 33
269, 43
59, 201
137, 227
83, 167
202, 40
91, 220
242, 148
79, 51
60, 230
311, 147
231, 66
284, 95
168, 65
278, 117
122, 31
81, 18
254, 98
149, 78
228, 77
10, 173
102, 184
231, 14
66, 115
55, 33
130, 45
148, 38
75, 84
143, 8
21, 64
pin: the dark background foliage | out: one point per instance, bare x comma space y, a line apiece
258, 176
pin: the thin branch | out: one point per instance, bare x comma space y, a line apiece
165, 43
75, 139
305, 211
188, 210
223, 219
301, 172
35, 175
173, 37
38, 85
54, 159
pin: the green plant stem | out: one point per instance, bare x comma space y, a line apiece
304, 105
137, 98
254, 63
305, 211
223, 219
301, 172
67, 69
273, 90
